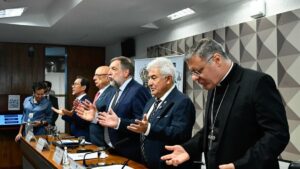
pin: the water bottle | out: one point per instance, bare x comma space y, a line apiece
28, 126
66, 162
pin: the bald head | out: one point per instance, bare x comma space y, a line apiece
101, 77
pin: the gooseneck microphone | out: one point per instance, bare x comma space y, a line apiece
98, 155
118, 143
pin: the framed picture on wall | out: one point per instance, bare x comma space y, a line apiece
13, 102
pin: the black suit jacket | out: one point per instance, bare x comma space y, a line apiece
54, 101
253, 128
172, 124
96, 130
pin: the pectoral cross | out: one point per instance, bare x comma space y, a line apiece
211, 138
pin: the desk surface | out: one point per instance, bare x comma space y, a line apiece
44, 158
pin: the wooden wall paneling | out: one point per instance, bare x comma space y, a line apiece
17, 72
27, 68
5, 69
82, 61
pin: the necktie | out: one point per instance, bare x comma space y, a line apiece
106, 133
142, 138
156, 103
114, 102
96, 97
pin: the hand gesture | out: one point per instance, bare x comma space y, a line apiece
86, 110
18, 137
140, 126
178, 156
62, 111
76, 103
227, 166
108, 119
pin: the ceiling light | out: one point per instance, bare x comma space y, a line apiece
258, 8
180, 14
150, 26
5, 13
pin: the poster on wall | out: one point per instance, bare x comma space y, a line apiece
13, 102
140, 72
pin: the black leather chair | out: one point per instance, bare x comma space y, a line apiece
294, 165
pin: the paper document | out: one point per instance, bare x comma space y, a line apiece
117, 166
79, 156
68, 141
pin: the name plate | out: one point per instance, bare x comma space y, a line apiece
30, 136
75, 165
58, 154
41, 144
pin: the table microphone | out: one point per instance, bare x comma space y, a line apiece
118, 143
98, 154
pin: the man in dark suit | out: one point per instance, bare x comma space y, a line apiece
169, 118
78, 126
245, 124
100, 102
53, 100
125, 106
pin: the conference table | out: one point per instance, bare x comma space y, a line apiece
32, 158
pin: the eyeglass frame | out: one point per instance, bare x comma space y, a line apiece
99, 75
199, 71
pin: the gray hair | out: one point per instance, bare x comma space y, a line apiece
164, 65
206, 48
126, 64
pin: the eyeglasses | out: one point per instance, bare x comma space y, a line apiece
76, 84
100, 75
199, 71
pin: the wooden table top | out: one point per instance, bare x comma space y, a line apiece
111, 159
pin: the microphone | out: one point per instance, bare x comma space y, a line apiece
84, 161
118, 143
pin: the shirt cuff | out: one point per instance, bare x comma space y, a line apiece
148, 130
95, 120
119, 121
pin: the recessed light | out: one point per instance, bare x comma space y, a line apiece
181, 13
5, 13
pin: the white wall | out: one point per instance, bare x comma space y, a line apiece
232, 15
58, 86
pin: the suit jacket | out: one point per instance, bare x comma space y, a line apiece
96, 130
129, 107
253, 127
171, 124
54, 102
78, 126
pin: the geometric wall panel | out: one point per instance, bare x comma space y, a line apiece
232, 43
287, 73
270, 45
181, 46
